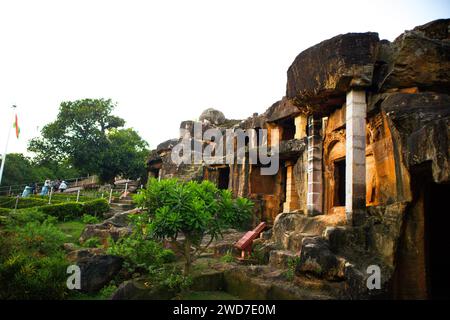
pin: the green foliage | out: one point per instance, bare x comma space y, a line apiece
88, 219
23, 216
32, 262
93, 242
26, 276
4, 211
64, 211
192, 209
10, 202
126, 155
289, 274
72, 210
96, 207
227, 257
140, 254
107, 291
170, 277
87, 135
23, 170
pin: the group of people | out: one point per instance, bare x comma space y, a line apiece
56, 185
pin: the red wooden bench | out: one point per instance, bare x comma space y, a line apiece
245, 243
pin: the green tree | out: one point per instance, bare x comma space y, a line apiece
78, 135
86, 135
125, 156
193, 210
20, 169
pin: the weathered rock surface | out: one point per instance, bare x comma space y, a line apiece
422, 121
330, 68
281, 109
316, 258
420, 58
120, 219
141, 289
213, 116
97, 271
103, 231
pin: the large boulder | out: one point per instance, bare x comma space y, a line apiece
213, 116
324, 73
420, 58
97, 271
317, 259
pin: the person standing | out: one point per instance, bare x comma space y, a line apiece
46, 187
62, 186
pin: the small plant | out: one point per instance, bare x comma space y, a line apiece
107, 291
93, 242
227, 257
289, 274
89, 219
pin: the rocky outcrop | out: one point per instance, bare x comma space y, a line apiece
329, 69
104, 231
316, 258
97, 269
213, 116
422, 123
420, 58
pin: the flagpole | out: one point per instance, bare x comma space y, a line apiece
2, 167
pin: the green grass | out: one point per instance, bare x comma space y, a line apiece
72, 229
207, 295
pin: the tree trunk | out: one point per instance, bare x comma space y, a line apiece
187, 256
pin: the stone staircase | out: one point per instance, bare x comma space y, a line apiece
118, 205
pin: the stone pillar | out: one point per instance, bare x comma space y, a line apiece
355, 170
292, 200
300, 126
314, 195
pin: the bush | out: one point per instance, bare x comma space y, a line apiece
93, 242
4, 211
32, 262
64, 211
88, 219
23, 216
140, 255
96, 207
10, 202
26, 276
72, 210
192, 209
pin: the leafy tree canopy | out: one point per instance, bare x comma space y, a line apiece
87, 135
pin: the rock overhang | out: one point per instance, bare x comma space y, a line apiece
321, 75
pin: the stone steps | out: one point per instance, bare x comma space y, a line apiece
280, 258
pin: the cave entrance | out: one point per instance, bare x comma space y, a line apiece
224, 178
437, 224
339, 183
423, 265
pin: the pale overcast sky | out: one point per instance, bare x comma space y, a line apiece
166, 61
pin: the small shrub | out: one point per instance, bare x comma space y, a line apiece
289, 274
25, 276
4, 211
64, 211
107, 291
24, 216
10, 202
140, 254
93, 242
96, 207
88, 219
227, 257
